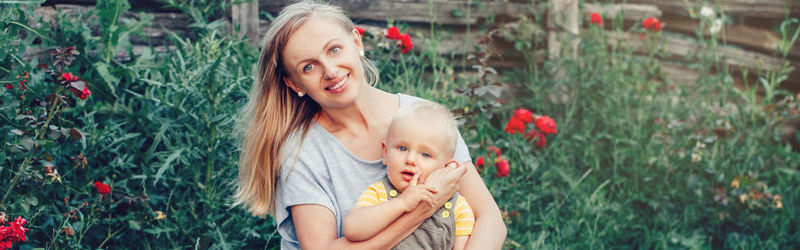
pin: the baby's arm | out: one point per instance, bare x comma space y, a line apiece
364, 222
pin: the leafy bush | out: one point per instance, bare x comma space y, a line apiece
637, 161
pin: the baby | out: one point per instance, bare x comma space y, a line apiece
421, 138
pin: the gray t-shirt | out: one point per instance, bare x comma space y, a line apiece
325, 173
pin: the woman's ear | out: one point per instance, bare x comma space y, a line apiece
290, 84
357, 39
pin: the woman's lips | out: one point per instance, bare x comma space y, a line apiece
339, 86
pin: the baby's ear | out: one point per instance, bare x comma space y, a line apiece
383, 152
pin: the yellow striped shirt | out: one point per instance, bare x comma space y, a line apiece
465, 219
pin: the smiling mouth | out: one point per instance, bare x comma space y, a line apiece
338, 85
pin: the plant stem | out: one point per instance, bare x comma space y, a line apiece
50, 114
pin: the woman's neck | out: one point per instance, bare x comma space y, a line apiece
369, 110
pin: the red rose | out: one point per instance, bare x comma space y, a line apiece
537, 138
597, 19
405, 43
652, 24
523, 115
502, 167
360, 30
494, 149
83, 94
479, 162
546, 124
4, 244
393, 33
9, 86
102, 188
69, 77
515, 125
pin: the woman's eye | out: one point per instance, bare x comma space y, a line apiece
335, 50
308, 68
401, 148
426, 155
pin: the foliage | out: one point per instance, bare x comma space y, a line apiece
637, 161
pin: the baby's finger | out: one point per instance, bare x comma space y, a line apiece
414, 180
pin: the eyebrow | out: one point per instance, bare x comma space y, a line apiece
309, 59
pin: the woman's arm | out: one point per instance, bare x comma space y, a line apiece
489, 231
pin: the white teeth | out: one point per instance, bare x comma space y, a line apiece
339, 84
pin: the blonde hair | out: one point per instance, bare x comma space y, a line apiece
273, 112
434, 114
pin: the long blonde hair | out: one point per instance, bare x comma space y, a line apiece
273, 112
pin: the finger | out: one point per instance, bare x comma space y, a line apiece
414, 180
430, 200
431, 189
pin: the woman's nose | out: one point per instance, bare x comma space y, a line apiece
331, 72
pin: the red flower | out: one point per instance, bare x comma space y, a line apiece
652, 24
360, 30
546, 124
405, 43
597, 19
4, 244
69, 77
479, 162
9, 86
393, 33
17, 232
83, 94
537, 138
494, 149
102, 188
515, 125
523, 115
22, 84
502, 167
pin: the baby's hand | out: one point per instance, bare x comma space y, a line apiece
416, 193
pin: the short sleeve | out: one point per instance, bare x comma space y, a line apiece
465, 218
462, 153
371, 196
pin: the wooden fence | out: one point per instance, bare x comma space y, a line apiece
751, 36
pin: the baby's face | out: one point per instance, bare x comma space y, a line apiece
412, 147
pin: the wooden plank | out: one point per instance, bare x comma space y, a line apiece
245, 17
752, 8
635, 12
751, 38
447, 12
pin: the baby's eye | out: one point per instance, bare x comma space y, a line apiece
308, 68
335, 50
426, 155
401, 148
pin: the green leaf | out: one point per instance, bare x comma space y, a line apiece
134, 225
167, 164
109, 79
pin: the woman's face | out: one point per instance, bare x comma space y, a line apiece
322, 60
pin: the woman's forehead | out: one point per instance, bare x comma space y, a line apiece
312, 36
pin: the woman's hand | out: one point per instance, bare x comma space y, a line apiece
445, 181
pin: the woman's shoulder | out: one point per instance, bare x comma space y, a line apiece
408, 99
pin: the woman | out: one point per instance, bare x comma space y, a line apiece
313, 128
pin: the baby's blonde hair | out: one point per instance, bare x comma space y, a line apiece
434, 114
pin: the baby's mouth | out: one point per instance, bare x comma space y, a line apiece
407, 175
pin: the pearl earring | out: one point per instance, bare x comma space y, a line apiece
300, 94
361, 53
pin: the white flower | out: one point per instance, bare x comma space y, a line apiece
706, 12
716, 26
696, 157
